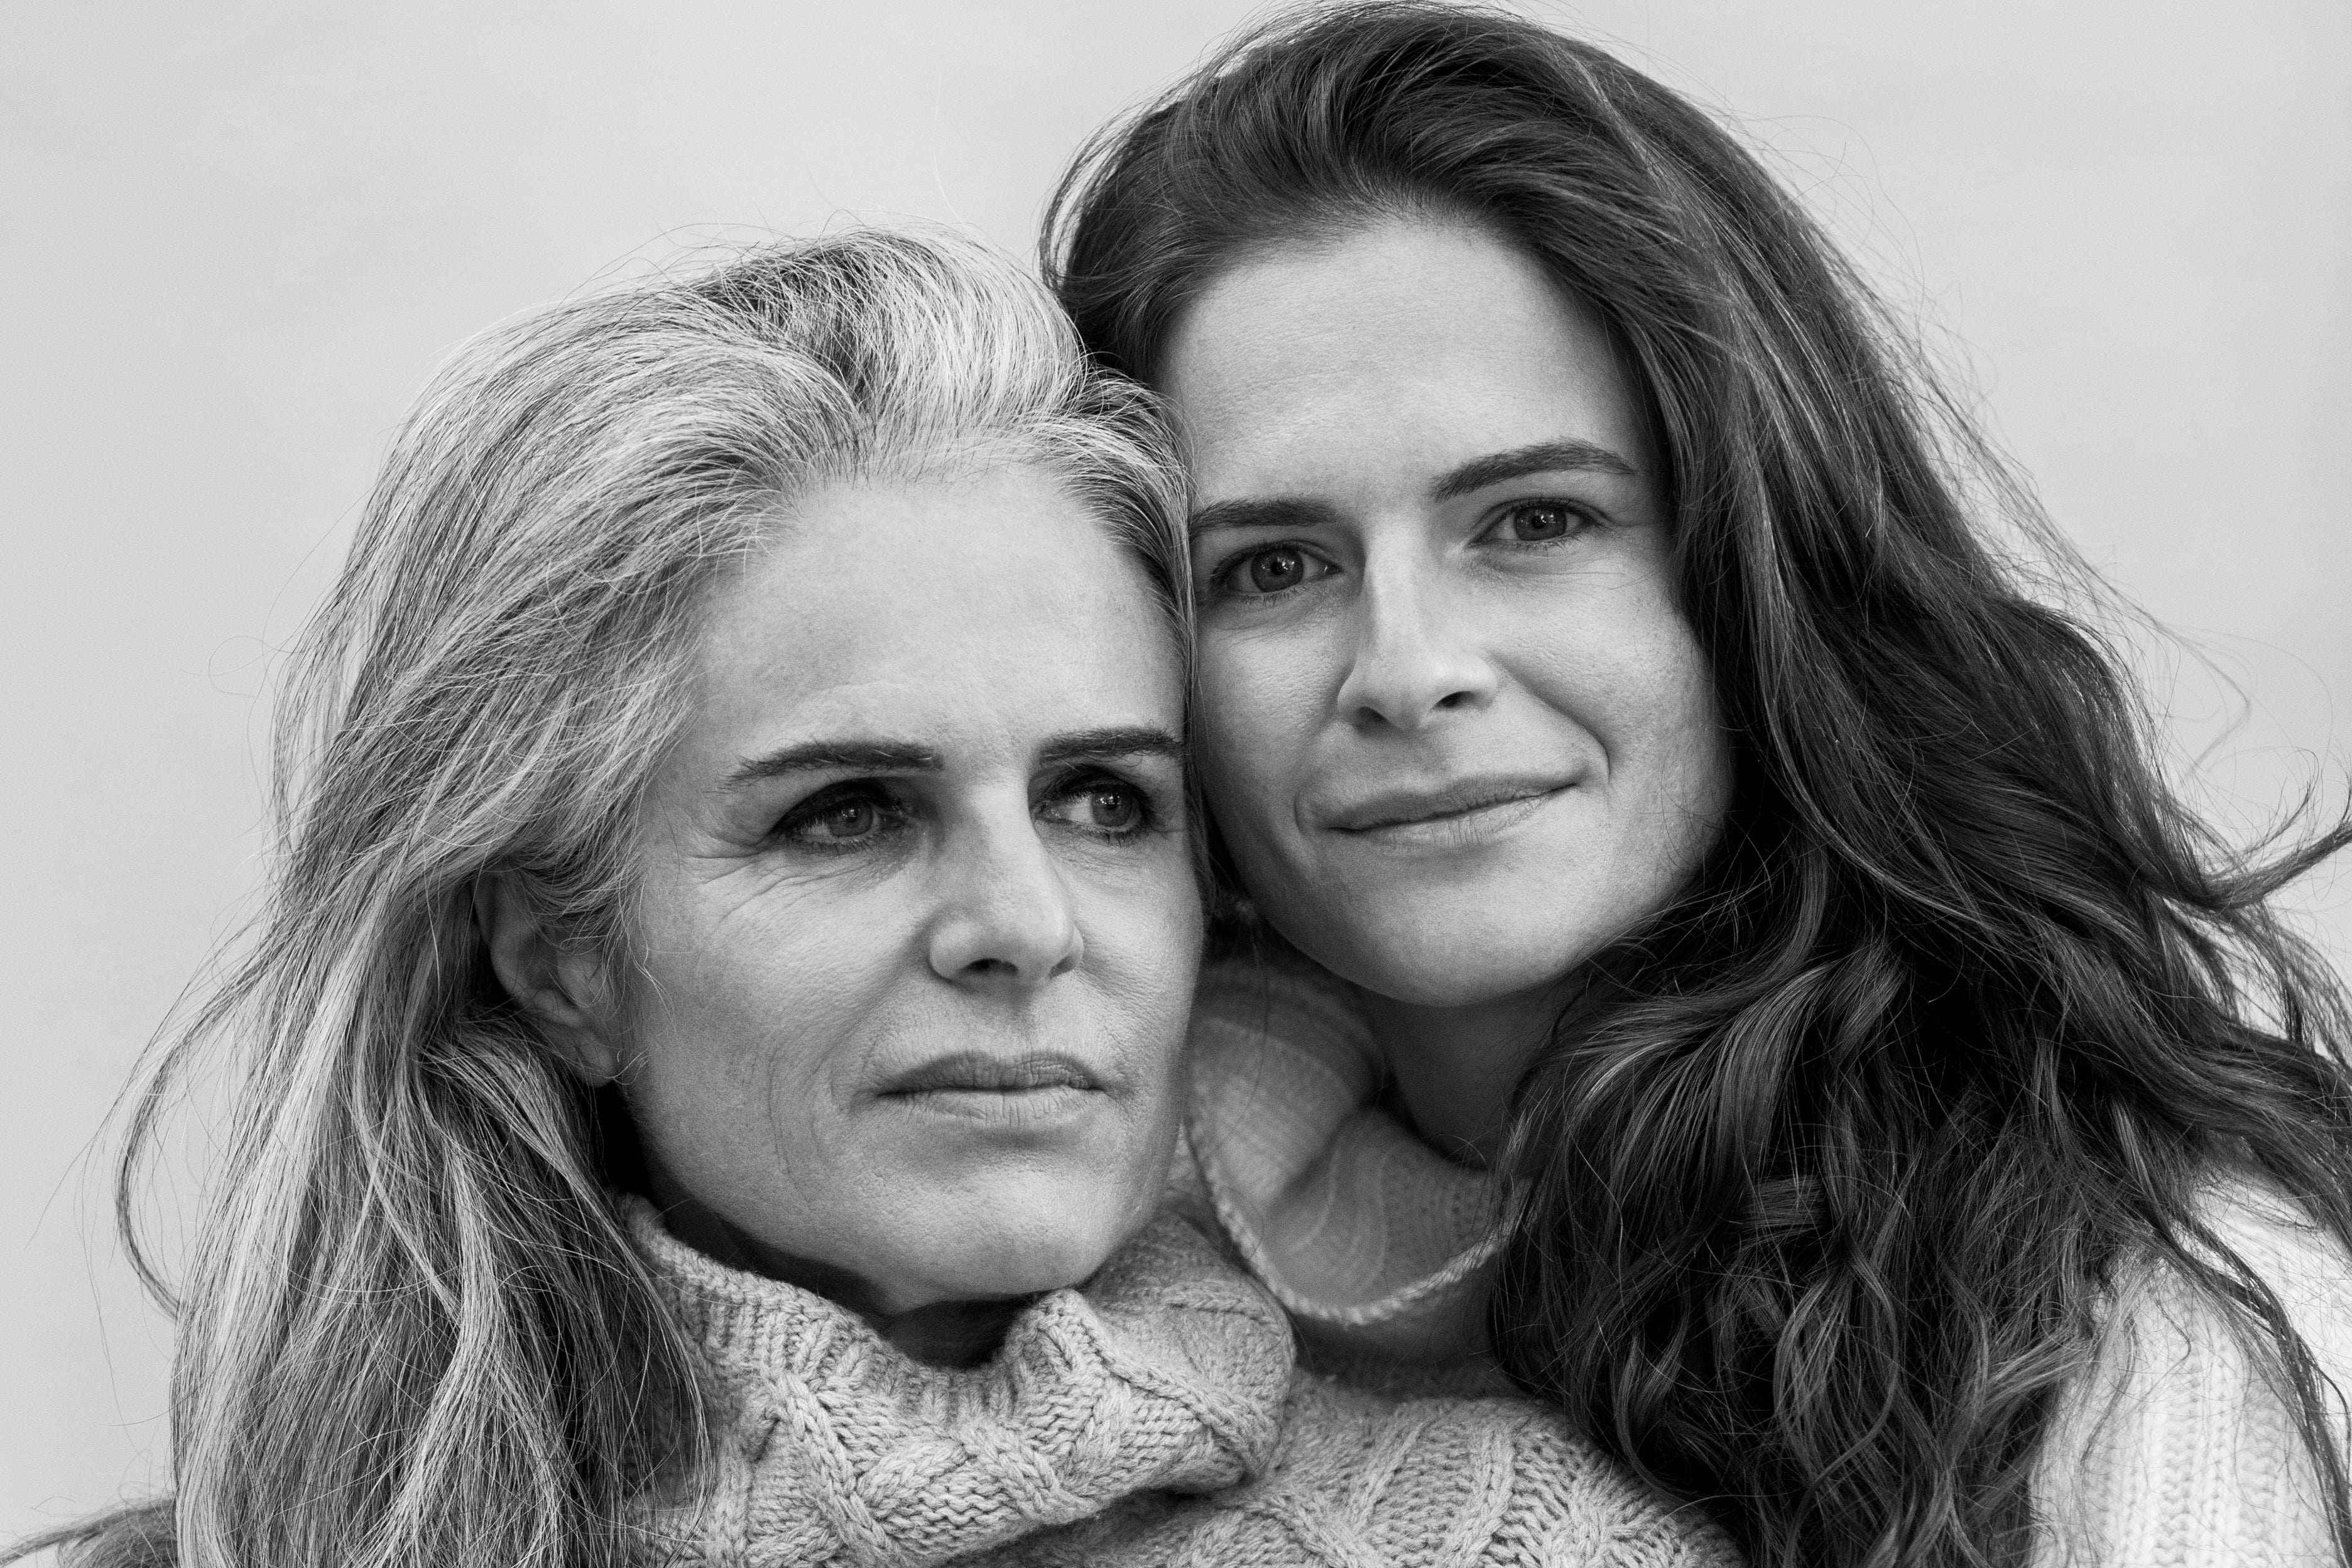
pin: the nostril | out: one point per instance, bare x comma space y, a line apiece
1006, 921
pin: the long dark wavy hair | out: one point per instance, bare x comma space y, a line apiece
1829, 1173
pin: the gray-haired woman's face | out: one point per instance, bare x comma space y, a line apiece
918, 911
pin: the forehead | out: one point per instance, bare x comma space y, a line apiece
962, 609
1413, 341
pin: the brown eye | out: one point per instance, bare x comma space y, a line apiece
1540, 521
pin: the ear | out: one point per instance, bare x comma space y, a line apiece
561, 986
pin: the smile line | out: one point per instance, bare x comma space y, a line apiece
1449, 811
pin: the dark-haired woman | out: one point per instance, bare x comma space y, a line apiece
1706, 943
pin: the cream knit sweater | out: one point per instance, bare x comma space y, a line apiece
1152, 1417
2173, 1452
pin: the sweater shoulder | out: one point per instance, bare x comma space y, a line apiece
2308, 1270
1489, 1480
2181, 1444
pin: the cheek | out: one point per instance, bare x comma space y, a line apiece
1262, 699
1648, 697
1673, 732
750, 1011
1702, 752
1627, 670
1145, 947
1620, 661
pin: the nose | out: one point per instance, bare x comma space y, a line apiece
1414, 660
1005, 917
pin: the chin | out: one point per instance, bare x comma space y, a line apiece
1446, 979
1462, 955
994, 1240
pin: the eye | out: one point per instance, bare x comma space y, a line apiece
1272, 569
1114, 808
1110, 807
1540, 522
840, 818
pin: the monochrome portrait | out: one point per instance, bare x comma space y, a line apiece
1348, 782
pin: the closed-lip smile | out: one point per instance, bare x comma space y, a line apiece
1411, 808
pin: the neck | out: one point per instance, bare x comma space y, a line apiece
950, 1334
1454, 1068
942, 1333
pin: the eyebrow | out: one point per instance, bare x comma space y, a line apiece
1542, 457
863, 755
856, 755
1272, 512
1569, 456
1119, 741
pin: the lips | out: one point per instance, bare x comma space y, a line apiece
974, 1072
1412, 806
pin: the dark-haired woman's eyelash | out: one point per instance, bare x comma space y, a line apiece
1540, 522
1108, 806
1268, 570
859, 814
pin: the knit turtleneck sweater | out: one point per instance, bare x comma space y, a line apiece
1165, 1375
1382, 1251
2176, 1449
1152, 1417
2173, 1450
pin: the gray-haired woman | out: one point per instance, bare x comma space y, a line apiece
708, 1059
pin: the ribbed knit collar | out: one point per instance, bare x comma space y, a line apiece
1377, 1245
1165, 1372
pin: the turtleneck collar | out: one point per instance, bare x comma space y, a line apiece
1163, 1373
1378, 1246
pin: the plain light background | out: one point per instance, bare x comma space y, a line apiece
236, 238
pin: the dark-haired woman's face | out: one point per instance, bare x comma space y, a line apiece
1452, 727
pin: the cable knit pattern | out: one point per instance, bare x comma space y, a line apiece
1366, 1481
1362, 1478
1101, 1433
2173, 1451
2176, 1450
1166, 1373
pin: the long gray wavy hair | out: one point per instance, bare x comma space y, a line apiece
413, 1330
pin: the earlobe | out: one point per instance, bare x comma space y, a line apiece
555, 984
